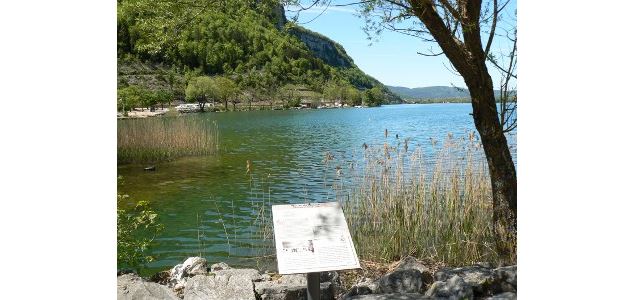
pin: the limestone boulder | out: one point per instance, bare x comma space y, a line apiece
401, 281
453, 288
190, 267
133, 287
503, 296
288, 287
222, 284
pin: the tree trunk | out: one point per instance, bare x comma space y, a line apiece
468, 57
225, 104
499, 160
201, 104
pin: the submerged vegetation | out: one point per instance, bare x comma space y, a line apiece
162, 139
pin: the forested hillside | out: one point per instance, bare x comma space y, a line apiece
162, 46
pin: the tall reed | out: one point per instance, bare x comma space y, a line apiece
161, 139
401, 203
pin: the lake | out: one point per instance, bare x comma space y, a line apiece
208, 203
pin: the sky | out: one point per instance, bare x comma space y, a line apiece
392, 58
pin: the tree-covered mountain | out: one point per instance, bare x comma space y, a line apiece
162, 45
430, 92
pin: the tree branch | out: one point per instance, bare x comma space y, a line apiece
493, 30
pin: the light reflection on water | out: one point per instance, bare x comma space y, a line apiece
208, 204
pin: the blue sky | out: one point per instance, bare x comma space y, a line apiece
392, 58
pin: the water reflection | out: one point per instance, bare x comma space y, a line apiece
209, 204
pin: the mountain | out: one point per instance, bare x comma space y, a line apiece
430, 92
163, 45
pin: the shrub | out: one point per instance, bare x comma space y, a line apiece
136, 229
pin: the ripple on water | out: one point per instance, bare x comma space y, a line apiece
207, 202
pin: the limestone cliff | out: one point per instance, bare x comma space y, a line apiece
321, 46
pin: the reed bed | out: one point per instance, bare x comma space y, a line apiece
437, 209
163, 139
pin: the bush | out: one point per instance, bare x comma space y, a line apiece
136, 229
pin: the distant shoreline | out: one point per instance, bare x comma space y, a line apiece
437, 100
171, 111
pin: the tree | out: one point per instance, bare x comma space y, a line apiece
128, 97
164, 97
352, 96
201, 89
456, 28
249, 84
227, 89
148, 99
289, 94
373, 97
332, 91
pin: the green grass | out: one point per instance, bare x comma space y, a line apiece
165, 138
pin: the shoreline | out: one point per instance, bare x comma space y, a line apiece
407, 278
137, 114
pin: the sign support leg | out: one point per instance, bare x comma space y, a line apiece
313, 286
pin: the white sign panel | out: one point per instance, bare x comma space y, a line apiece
312, 238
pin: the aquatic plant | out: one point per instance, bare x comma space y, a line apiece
161, 139
399, 203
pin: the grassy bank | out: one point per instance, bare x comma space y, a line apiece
161, 139
437, 209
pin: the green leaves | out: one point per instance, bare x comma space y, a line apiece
136, 96
136, 229
235, 39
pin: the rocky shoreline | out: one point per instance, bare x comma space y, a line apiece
194, 279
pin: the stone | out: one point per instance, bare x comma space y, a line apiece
219, 266
503, 296
330, 276
409, 296
222, 284
190, 267
334, 278
410, 262
507, 279
482, 280
402, 281
132, 287
289, 287
365, 287
453, 288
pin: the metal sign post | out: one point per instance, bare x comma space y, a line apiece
313, 286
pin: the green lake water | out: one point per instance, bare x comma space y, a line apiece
208, 204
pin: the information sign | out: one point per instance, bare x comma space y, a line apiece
312, 238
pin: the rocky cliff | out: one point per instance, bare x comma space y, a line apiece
321, 46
